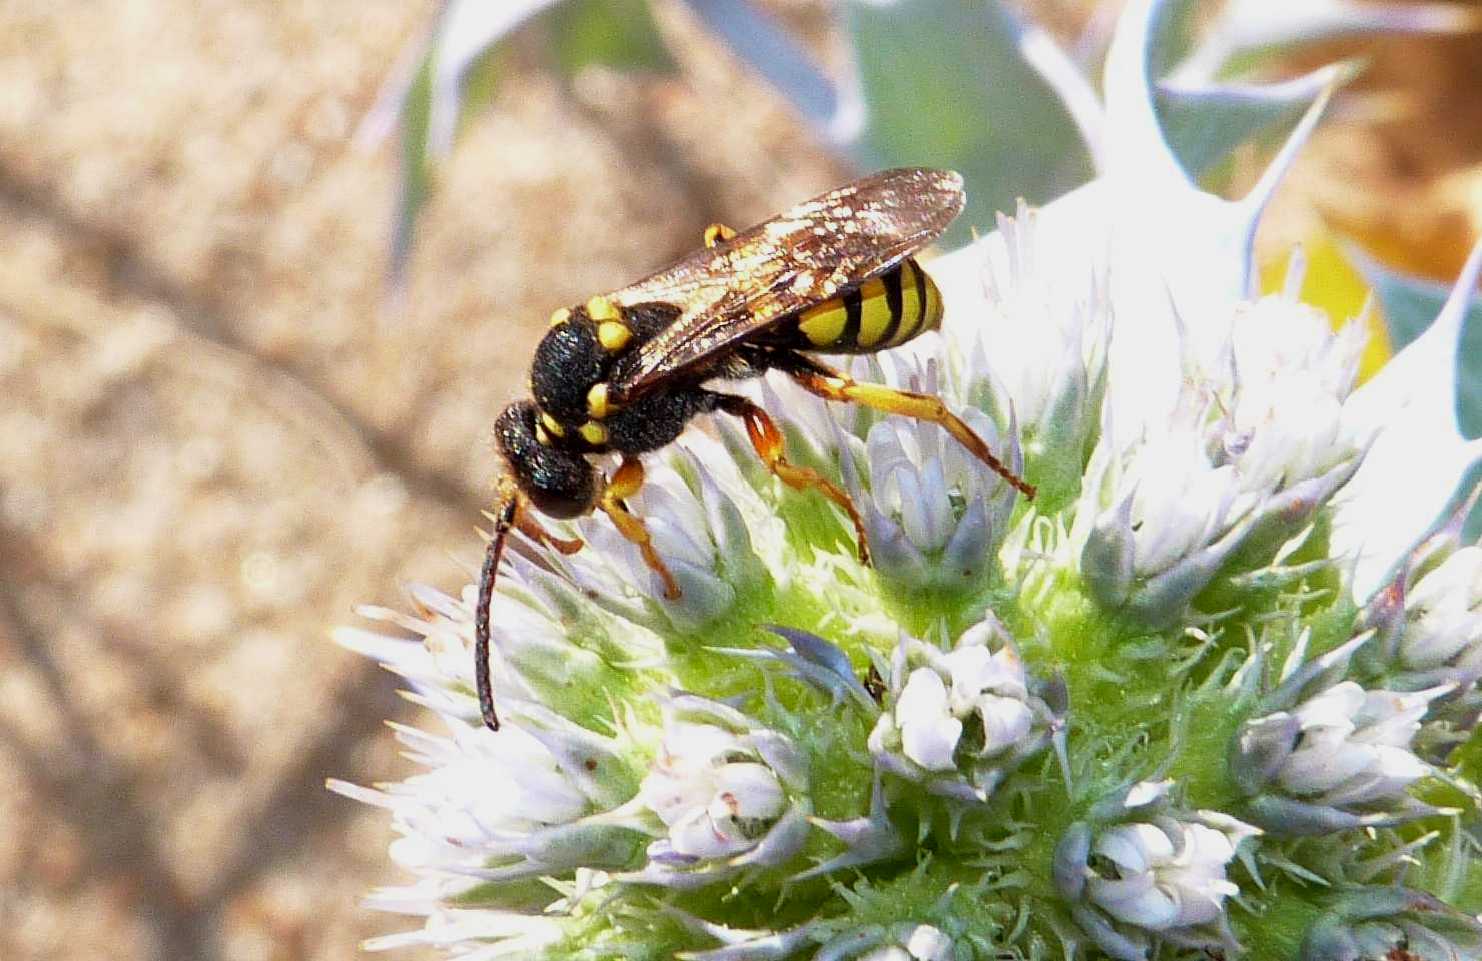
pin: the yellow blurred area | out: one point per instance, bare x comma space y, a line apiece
1335, 285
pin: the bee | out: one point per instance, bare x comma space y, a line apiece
626, 371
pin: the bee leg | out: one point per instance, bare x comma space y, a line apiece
624, 483
528, 526
504, 519
835, 385
767, 440
718, 234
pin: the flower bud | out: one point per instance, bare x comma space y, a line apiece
727, 792
1442, 636
1045, 343
1392, 922
509, 806
959, 722
1150, 876
1342, 758
934, 513
700, 515
910, 942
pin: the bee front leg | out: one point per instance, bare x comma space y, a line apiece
624, 483
528, 526
766, 439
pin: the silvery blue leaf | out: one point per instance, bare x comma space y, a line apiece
1245, 31
1178, 256
1205, 122
1420, 461
423, 98
1410, 305
833, 109
947, 84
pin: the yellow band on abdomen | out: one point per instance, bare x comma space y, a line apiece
876, 318
823, 325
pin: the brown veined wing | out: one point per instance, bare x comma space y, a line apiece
802, 257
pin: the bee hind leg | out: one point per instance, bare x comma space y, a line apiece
835, 385
767, 440
624, 483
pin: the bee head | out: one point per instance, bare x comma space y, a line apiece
560, 483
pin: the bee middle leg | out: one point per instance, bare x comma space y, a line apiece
624, 483
767, 440
836, 385
531, 528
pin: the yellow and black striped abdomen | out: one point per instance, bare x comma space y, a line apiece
883, 312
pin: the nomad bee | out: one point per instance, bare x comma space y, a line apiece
625, 372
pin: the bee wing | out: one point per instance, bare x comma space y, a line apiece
802, 257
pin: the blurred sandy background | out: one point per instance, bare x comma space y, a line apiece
214, 439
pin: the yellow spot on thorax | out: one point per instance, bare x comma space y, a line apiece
599, 308
552, 425
593, 433
560, 315
597, 404
614, 334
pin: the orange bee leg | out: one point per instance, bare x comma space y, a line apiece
837, 386
624, 483
766, 438
528, 526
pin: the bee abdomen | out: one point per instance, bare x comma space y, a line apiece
883, 312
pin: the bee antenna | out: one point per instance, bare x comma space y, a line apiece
504, 519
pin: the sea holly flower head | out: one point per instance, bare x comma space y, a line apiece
1212, 693
1257, 442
